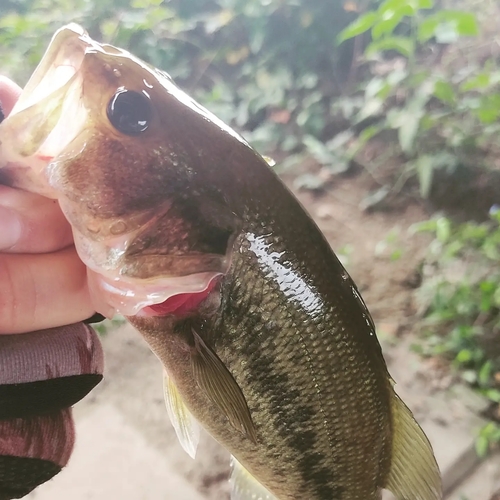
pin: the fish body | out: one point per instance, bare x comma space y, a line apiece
264, 337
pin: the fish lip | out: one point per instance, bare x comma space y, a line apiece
67, 49
117, 294
65, 39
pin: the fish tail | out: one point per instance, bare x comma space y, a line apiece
414, 472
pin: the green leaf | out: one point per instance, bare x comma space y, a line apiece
444, 91
424, 226
465, 22
390, 20
414, 5
368, 133
443, 229
485, 374
447, 26
427, 28
480, 81
482, 445
464, 356
493, 395
360, 25
404, 46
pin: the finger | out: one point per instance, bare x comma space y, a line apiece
42, 291
9, 94
30, 223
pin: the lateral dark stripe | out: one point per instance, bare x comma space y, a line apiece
293, 421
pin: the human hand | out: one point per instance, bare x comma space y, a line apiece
43, 287
42, 281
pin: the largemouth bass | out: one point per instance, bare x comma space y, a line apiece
186, 231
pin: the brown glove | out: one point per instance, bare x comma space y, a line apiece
42, 374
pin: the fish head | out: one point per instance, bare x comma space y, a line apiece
133, 162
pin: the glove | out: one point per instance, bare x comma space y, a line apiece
42, 374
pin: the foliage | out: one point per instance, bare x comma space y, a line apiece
461, 296
270, 67
444, 116
275, 70
488, 437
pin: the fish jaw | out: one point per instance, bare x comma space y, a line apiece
160, 297
48, 116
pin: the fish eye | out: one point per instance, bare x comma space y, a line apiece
129, 112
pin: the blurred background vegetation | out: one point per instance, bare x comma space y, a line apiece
321, 81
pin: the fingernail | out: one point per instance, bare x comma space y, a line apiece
10, 228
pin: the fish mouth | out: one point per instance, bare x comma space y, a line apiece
158, 297
47, 127
46, 124
144, 285
48, 115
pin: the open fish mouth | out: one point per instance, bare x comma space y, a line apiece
46, 124
49, 114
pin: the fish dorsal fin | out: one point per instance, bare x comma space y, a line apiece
185, 425
414, 473
244, 486
219, 385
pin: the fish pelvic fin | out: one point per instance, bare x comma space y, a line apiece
186, 426
219, 385
244, 486
414, 472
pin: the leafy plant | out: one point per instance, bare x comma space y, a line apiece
461, 298
488, 437
444, 117
269, 67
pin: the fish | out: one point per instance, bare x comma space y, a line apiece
185, 230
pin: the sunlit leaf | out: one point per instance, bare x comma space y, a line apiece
443, 229
447, 26
403, 45
360, 25
465, 22
482, 446
480, 81
387, 25
444, 91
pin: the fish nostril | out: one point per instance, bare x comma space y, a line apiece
118, 228
93, 229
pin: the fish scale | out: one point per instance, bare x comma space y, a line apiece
305, 427
275, 352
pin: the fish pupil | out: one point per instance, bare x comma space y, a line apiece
129, 112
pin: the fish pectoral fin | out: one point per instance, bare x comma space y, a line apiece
185, 425
244, 486
414, 472
219, 385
